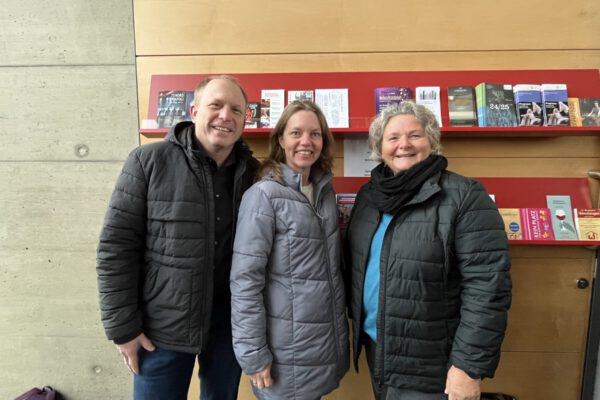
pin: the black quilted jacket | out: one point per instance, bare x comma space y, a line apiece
155, 254
445, 284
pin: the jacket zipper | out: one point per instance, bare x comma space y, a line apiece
200, 173
328, 266
381, 308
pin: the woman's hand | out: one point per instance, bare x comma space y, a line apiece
460, 386
262, 379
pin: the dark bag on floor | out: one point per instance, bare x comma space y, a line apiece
46, 393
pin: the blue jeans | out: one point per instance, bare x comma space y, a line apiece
166, 375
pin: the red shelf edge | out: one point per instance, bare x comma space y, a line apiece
584, 243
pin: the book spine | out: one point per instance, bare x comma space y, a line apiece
574, 112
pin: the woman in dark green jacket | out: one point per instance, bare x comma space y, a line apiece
429, 264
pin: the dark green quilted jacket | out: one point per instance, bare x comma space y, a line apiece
445, 285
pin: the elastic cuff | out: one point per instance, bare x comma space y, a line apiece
125, 339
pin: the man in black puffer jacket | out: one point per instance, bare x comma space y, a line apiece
165, 250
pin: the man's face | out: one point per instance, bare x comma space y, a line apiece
219, 116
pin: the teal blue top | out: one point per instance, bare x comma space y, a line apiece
371, 288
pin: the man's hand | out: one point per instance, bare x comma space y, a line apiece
129, 351
262, 379
460, 386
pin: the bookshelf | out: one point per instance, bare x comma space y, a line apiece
515, 193
361, 87
510, 192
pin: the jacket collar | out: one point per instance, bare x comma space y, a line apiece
181, 135
429, 188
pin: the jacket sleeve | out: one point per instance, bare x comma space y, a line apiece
251, 251
120, 254
481, 255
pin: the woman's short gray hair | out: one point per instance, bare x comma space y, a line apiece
423, 115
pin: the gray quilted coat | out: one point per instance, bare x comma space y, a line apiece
287, 303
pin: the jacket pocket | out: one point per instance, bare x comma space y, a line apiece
166, 296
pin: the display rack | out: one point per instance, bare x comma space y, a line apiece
515, 193
509, 192
361, 101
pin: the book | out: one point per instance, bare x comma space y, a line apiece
528, 103
574, 111
536, 224
461, 106
429, 96
345, 202
495, 104
273, 101
587, 222
334, 104
386, 96
512, 223
173, 107
300, 95
252, 119
555, 104
562, 217
479, 101
590, 111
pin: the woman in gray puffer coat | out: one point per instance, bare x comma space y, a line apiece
290, 332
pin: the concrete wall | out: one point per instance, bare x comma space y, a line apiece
67, 121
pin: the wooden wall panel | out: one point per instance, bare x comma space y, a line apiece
522, 147
267, 27
538, 376
548, 313
539, 167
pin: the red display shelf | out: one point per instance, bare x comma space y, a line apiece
361, 87
515, 193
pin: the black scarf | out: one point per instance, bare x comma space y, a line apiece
388, 192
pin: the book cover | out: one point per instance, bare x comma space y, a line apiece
555, 100
252, 119
334, 104
561, 213
528, 103
273, 102
171, 107
574, 111
461, 106
587, 221
345, 202
536, 224
189, 100
429, 96
386, 96
512, 223
590, 111
300, 95
499, 105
